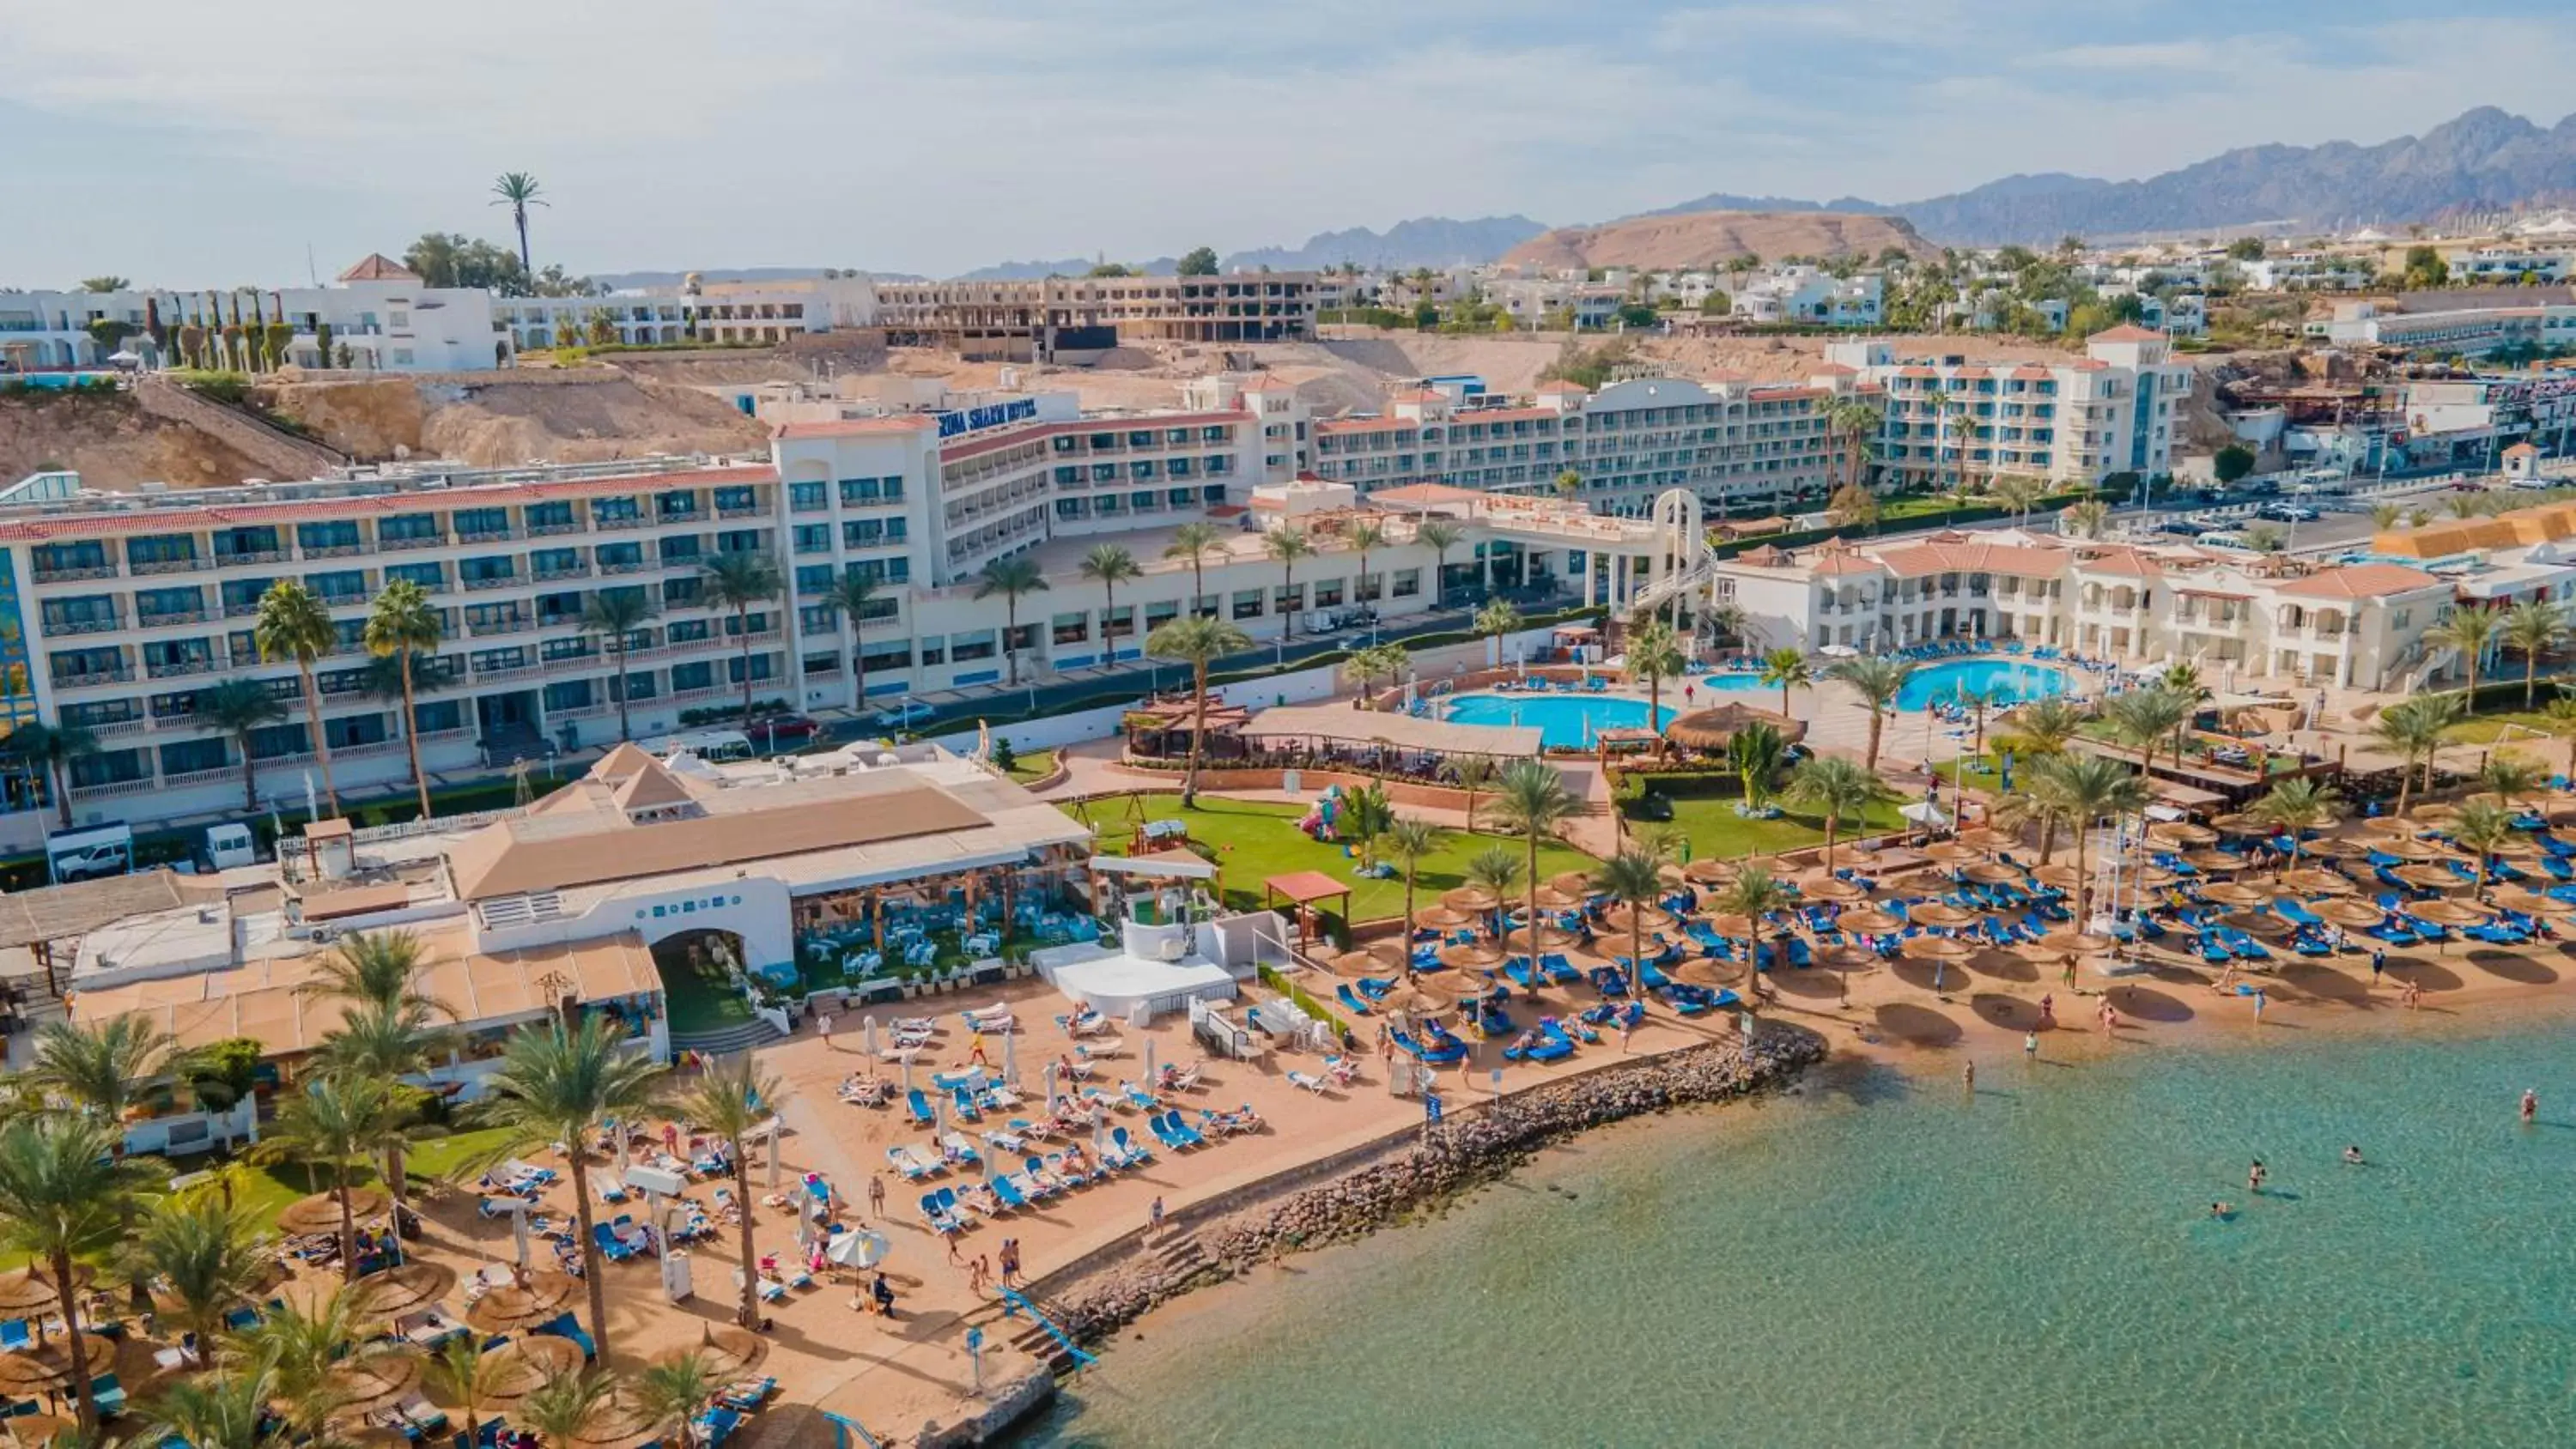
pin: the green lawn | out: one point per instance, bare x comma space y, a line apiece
1714, 829
265, 1188
1254, 841
2487, 726
1033, 766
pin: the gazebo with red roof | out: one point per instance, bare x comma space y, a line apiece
1302, 888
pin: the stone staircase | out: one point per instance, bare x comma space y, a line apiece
287, 457
743, 1037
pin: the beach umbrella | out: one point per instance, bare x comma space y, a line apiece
1470, 899
728, 1351
1835, 888
1355, 964
620, 1422
2520, 847
1708, 971
34, 1429
1414, 1001
2316, 883
2217, 861
2153, 877
1937, 948
2408, 848
1442, 918
2361, 915
400, 1289
1708, 872
1552, 899
1396, 954
320, 1213
510, 1308
2531, 903
1991, 872
1546, 938
2452, 912
1948, 852
2056, 877
2076, 943
1869, 923
529, 1363
1575, 883
1455, 985
32, 1290
1983, 837
1733, 927
863, 1249
2231, 893
1471, 955
2430, 877
2265, 923
2241, 825
28, 1372
2182, 832
1939, 916
2338, 848
1620, 919
2432, 812
379, 1381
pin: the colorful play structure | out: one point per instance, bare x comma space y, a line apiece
1321, 817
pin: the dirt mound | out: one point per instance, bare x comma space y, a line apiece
113, 444
593, 420
1709, 238
370, 421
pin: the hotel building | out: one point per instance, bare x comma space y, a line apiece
1948, 419
1054, 317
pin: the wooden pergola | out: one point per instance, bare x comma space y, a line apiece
49, 916
1302, 888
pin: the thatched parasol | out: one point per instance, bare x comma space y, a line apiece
1474, 899
1831, 888
1708, 872
32, 1290
1552, 899
1548, 938
2433, 812
529, 1363
2057, 877
2339, 848
1709, 971
2076, 943
1454, 986
1869, 923
510, 1308
1985, 837
1471, 955
2316, 883
1939, 916
2182, 833
2231, 893
366, 1385
2261, 923
1847, 958
1415, 1001
320, 1213
728, 1352
1937, 948
1442, 918
1948, 852
2430, 877
401, 1288
2360, 915
2241, 825
2532, 903
1574, 883
1356, 964
1715, 727
620, 1422
1619, 919
2217, 861
1991, 872
34, 1429
2452, 912
2154, 877
27, 1372
2407, 848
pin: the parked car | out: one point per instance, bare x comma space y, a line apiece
904, 716
775, 730
2287, 513
2183, 526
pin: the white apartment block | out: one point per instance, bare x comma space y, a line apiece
2506, 266
715, 312
2471, 331
2309, 271
380, 317
1947, 418
1810, 294
2275, 621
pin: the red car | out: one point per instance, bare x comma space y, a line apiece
774, 730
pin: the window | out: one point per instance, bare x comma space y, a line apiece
685, 549
813, 578
1408, 583
553, 517
736, 496
762, 667
174, 548
490, 570
617, 558
964, 647
348, 586
738, 540
689, 631
191, 756
1247, 603
555, 609
481, 523
682, 593
808, 497
1072, 628
568, 694
697, 675
614, 510
430, 576
679, 503
1291, 597
813, 538
157, 605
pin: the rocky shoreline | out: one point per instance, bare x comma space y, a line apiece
1459, 1155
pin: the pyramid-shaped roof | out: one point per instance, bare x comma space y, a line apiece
377, 267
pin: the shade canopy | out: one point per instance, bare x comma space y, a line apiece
401, 1288
320, 1213
528, 1364
510, 1307
1716, 727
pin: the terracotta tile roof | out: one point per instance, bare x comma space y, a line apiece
1784, 393
1972, 372
2127, 562
2358, 581
1425, 493
1836, 369
1923, 559
1839, 564
1420, 395
377, 267
2032, 372
1550, 389
2127, 332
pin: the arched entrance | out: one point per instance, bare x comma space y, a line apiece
701, 972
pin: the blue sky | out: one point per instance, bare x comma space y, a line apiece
190, 144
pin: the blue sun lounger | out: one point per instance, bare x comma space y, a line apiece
1006, 1191
922, 1116
1560, 971
1351, 999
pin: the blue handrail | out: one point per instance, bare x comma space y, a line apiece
1013, 1302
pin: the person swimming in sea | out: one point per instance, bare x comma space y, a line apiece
2224, 1212
2352, 1155
2254, 1177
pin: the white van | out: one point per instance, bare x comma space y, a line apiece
2224, 539
705, 744
89, 854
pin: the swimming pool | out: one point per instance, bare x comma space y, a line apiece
1736, 681
2003, 681
1564, 721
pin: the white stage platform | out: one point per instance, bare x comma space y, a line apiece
1115, 983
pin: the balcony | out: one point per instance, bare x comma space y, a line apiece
741, 510
492, 581
486, 628
46, 575
144, 566
566, 571
117, 729
334, 550
174, 616
245, 560
550, 530
616, 525
241, 608
226, 774
415, 540
66, 627
113, 789
121, 674
627, 566
485, 535
344, 598
180, 668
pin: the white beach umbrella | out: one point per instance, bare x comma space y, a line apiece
773, 1162
868, 1029
1011, 1058
1149, 1064
864, 1249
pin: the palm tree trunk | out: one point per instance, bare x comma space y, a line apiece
82, 1393
1409, 869
321, 746
1287, 606
742, 618
1010, 636
2047, 838
61, 778
2530, 673
1108, 612
411, 736
2406, 782
250, 778
1198, 583
1833, 820
858, 670
1877, 722
397, 1186
590, 1269
1198, 733
625, 730
748, 1312
348, 1224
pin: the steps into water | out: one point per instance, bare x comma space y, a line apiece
740, 1037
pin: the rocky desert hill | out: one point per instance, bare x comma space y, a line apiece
1710, 238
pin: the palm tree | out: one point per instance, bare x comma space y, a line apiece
1495, 869
1878, 679
2083, 789
671, 1392
1852, 506
563, 1407
2143, 718
518, 190
295, 624
2471, 631
2183, 678
2413, 729
2025, 807
560, 1084
403, 623
389, 1040
1787, 668
206, 1254
1531, 800
2019, 493
1654, 655
1111, 565
1755, 753
1364, 665
1406, 844
730, 1100
369, 968
1754, 894
2297, 807
1287, 545
2534, 626
2042, 727
1365, 535
104, 1068
1497, 618
307, 1343
614, 615
2481, 826
1438, 535
740, 581
1836, 788
2512, 776
241, 708
1011, 578
1853, 426
334, 1120
2087, 519
1193, 541
1196, 640
1635, 879
54, 748
66, 1191
229, 1409
1471, 773
847, 602
462, 1371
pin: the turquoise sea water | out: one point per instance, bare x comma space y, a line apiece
1564, 721
1877, 1262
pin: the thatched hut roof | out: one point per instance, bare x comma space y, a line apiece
1715, 727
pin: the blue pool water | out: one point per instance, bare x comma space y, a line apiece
1737, 681
2009, 681
1884, 1262
1564, 721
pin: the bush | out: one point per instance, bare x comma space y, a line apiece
222, 387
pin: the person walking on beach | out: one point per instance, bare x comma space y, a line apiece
975, 1051
2030, 1046
2414, 996
2067, 976
2378, 963
2530, 1107
1968, 1077
976, 1273
2352, 1154
2254, 1178
1010, 1262
1154, 1219
2048, 1013
823, 1026
876, 1195
2259, 1000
